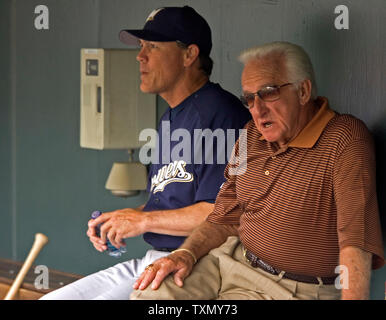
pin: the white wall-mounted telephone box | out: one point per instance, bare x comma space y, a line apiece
113, 109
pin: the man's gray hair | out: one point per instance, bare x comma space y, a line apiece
297, 61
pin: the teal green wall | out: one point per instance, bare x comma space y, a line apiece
5, 133
49, 184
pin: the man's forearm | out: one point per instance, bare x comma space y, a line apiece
208, 236
178, 222
358, 263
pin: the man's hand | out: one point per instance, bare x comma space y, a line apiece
203, 239
116, 226
95, 240
180, 263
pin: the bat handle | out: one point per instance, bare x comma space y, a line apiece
39, 243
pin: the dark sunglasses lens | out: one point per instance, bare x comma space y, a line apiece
269, 94
246, 100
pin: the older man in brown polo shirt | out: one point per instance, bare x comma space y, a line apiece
300, 209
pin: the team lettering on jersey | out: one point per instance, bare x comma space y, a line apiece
172, 172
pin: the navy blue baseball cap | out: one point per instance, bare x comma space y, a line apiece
171, 24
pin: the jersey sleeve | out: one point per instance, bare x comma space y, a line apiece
220, 117
216, 143
227, 209
358, 222
208, 168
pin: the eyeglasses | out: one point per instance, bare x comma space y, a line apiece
267, 94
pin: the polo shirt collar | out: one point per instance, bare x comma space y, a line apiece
312, 131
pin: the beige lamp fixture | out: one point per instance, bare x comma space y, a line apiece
126, 179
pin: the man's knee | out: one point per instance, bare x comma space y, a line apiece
203, 283
168, 290
146, 294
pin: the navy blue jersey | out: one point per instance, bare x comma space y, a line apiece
195, 140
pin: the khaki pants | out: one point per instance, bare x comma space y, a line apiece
224, 274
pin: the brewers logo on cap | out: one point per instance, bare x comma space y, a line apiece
153, 14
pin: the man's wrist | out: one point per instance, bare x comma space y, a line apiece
188, 251
147, 220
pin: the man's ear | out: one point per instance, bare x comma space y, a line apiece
305, 91
191, 54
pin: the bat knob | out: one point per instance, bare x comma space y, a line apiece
41, 238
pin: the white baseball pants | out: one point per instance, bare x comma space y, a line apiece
114, 283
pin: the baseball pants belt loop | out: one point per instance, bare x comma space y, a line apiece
255, 262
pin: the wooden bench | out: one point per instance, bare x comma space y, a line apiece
9, 270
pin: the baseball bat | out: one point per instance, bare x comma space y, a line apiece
39, 243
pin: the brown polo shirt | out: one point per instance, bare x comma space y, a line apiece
297, 206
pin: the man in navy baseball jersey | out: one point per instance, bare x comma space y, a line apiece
187, 170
